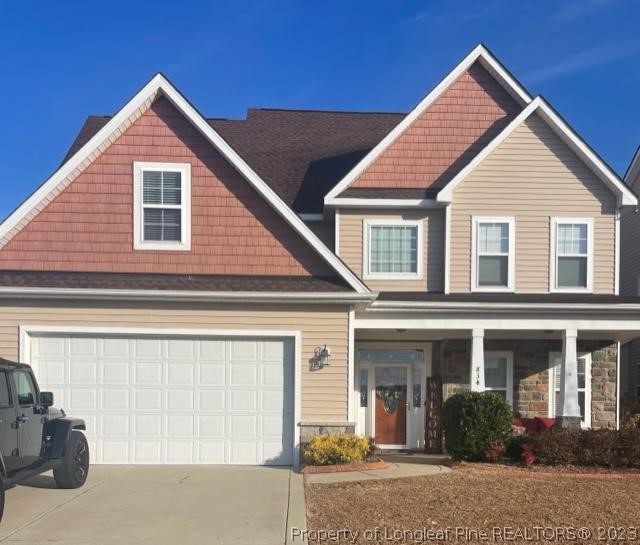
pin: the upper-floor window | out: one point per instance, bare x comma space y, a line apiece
493, 251
571, 260
162, 206
393, 249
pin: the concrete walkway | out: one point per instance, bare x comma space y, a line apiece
396, 470
126, 505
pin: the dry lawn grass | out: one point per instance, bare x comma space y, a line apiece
475, 499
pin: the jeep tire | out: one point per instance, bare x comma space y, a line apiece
75, 465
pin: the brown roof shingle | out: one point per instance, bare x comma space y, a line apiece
173, 282
301, 154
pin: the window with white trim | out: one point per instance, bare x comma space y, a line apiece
571, 254
498, 374
394, 249
493, 266
584, 386
162, 202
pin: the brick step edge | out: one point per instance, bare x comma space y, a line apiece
344, 468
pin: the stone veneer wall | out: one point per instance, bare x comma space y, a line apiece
452, 359
308, 430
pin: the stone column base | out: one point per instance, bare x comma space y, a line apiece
568, 422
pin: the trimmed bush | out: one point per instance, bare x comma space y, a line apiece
473, 424
602, 448
337, 448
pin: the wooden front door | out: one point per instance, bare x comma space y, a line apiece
391, 405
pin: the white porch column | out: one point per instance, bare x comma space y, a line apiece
570, 409
477, 360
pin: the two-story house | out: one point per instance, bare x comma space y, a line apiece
217, 291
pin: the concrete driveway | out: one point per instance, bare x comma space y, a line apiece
157, 505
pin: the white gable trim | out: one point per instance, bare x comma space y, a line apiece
159, 84
558, 125
480, 53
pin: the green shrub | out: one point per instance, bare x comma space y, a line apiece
473, 423
337, 448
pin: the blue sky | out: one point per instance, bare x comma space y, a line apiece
61, 61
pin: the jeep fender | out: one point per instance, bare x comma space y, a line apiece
60, 430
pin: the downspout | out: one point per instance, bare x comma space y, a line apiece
618, 387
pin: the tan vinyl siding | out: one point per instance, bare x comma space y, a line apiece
351, 231
324, 392
533, 176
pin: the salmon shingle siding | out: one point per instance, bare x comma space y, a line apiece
462, 121
89, 225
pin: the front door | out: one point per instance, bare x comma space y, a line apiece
391, 405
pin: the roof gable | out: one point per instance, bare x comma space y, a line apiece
540, 107
479, 73
115, 128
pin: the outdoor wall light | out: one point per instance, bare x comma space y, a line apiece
322, 356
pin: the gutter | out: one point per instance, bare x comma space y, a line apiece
442, 306
187, 296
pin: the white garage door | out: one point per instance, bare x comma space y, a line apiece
182, 400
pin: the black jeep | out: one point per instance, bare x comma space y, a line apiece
35, 437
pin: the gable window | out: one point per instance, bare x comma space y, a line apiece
572, 244
584, 386
498, 374
393, 249
493, 252
162, 203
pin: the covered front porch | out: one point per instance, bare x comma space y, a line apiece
556, 366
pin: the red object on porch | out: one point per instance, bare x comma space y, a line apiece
535, 425
545, 423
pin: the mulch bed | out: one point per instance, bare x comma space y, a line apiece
341, 468
474, 499
537, 470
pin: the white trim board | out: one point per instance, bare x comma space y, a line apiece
186, 295
479, 53
625, 196
159, 84
25, 332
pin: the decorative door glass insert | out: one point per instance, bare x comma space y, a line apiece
364, 388
402, 355
391, 388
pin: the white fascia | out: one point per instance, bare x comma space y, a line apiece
272, 297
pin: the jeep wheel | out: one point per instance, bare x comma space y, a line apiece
75, 465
